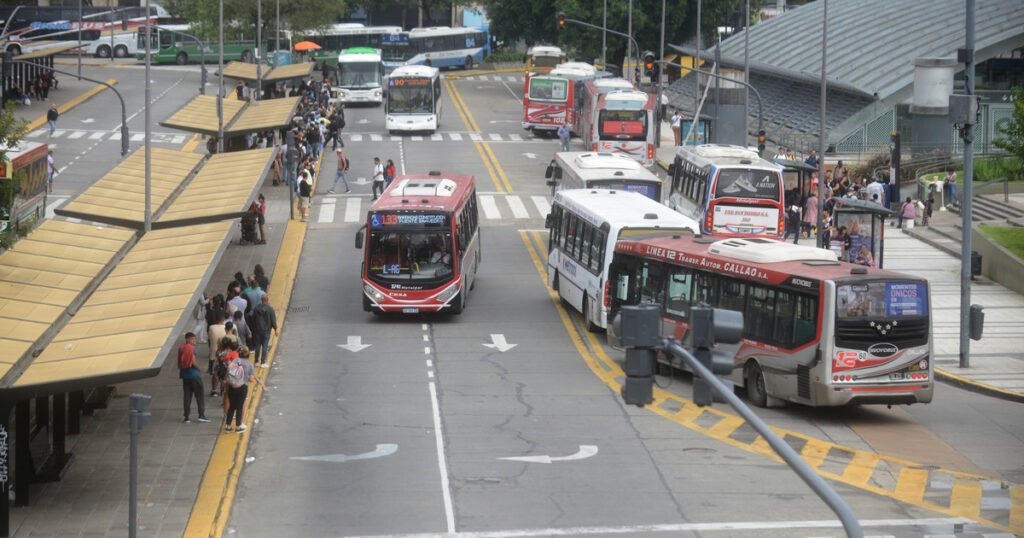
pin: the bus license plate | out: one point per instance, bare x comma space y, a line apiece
896, 376
410, 310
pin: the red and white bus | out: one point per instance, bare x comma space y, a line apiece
549, 100
423, 246
817, 331
623, 123
730, 190
587, 94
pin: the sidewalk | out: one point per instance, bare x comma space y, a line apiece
92, 498
71, 92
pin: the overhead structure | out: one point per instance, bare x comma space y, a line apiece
200, 115
240, 117
247, 72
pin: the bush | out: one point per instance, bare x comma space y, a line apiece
866, 168
505, 56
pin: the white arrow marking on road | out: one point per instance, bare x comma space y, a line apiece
498, 342
585, 452
530, 155
355, 344
88, 120
363, 121
386, 449
361, 181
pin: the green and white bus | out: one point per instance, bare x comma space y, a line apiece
169, 46
360, 76
338, 37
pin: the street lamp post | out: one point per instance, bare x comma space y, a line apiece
220, 77
661, 54
258, 56
147, 223
821, 127
629, 44
604, 38
80, 40
594, 26
746, 69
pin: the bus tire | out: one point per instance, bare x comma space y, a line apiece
754, 381
103, 51
468, 64
367, 307
120, 51
591, 326
460, 304
245, 56
181, 58
15, 50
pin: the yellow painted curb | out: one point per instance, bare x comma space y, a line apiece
85, 96
844, 464
220, 481
977, 386
192, 143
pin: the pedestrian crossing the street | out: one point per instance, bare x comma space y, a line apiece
157, 138
494, 208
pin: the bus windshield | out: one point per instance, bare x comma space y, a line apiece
883, 299
417, 255
407, 99
747, 183
647, 188
359, 75
552, 89
546, 61
623, 124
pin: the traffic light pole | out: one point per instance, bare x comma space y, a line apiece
786, 452
757, 94
604, 29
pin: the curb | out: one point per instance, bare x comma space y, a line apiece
94, 62
75, 101
975, 386
933, 243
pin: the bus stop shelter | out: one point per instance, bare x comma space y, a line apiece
246, 72
241, 118
17, 77
865, 226
87, 305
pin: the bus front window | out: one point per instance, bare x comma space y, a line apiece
623, 124
397, 256
359, 75
403, 99
394, 52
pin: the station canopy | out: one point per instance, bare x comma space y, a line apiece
48, 50
200, 115
240, 117
247, 72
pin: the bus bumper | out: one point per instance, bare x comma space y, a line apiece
424, 122
866, 394
375, 96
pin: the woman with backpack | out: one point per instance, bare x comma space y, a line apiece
240, 373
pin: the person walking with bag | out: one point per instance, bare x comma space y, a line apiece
264, 323
191, 378
240, 373
342, 172
51, 118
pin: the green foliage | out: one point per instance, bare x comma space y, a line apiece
240, 16
505, 55
1012, 139
12, 129
1009, 237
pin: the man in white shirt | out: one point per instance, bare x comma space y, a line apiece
876, 188
781, 155
378, 177
677, 127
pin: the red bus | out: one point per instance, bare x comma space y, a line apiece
423, 246
817, 331
587, 95
549, 100
730, 190
623, 123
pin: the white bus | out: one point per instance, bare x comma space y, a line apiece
541, 59
438, 46
590, 170
360, 76
125, 44
584, 225
337, 37
413, 99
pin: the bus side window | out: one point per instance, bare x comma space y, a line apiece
804, 319
783, 318
759, 316
585, 237
571, 231
734, 294
653, 287
563, 233
680, 284
706, 289
597, 250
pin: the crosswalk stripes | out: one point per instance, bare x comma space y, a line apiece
356, 137
493, 208
417, 138
54, 203
455, 136
76, 134
138, 137
475, 137
57, 134
494, 136
115, 135
440, 137
96, 136
35, 134
515, 137
376, 138
436, 137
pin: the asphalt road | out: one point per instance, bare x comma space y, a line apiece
408, 435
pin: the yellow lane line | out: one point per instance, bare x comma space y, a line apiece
192, 143
912, 481
965, 499
494, 168
75, 101
814, 453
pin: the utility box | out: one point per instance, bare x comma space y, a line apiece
975, 264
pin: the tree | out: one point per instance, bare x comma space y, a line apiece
12, 130
1012, 138
240, 16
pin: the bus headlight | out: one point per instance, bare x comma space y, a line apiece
373, 293
448, 293
377, 94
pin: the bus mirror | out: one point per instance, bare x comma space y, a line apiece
672, 169
550, 183
462, 243
549, 172
558, 173
548, 221
359, 239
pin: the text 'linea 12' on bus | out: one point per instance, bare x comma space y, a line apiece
423, 245
816, 331
730, 190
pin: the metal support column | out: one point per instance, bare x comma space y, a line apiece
24, 469
965, 201
820, 240
42, 412
60, 414
75, 400
5, 469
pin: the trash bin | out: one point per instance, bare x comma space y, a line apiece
976, 322
975, 264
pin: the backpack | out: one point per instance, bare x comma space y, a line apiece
236, 374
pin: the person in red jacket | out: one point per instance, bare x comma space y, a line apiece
191, 378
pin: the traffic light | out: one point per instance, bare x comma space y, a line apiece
710, 326
638, 327
649, 64
760, 141
561, 20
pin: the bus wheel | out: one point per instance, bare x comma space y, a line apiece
756, 391
245, 56
121, 52
103, 52
591, 326
181, 58
468, 64
15, 50
461, 305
